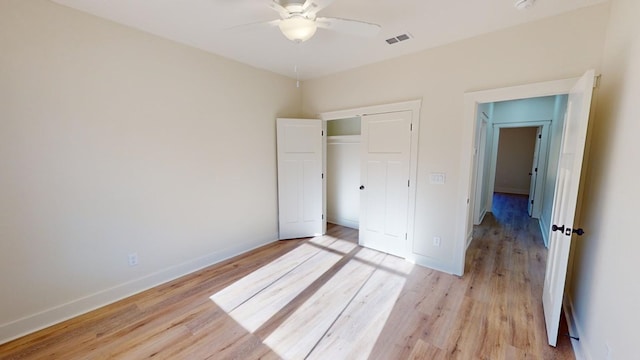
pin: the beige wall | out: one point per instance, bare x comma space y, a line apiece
605, 291
515, 158
555, 48
115, 141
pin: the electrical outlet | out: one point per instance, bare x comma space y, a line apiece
436, 241
133, 259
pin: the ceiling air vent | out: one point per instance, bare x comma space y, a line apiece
396, 39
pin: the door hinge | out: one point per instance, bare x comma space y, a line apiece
322, 175
411, 127
322, 216
408, 183
539, 136
531, 202
536, 170
406, 236
321, 132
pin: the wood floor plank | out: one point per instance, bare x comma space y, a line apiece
354, 333
443, 318
424, 350
242, 290
470, 332
297, 336
216, 335
256, 311
417, 315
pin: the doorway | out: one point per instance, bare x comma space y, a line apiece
343, 172
514, 159
519, 162
521, 151
387, 157
568, 175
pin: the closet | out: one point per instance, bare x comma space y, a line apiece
343, 172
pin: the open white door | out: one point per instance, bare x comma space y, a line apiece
534, 171
385, 173
299, 178
565, 200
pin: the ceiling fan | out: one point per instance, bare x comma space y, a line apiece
299, 22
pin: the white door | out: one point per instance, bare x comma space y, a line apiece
385, 172
565, 200
534, 170
299, 178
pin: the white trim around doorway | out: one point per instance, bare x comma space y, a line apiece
465, 194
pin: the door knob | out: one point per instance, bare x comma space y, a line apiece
567, 231
361, 187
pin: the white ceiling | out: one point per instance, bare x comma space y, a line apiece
205, 24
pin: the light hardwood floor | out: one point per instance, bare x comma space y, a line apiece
327, 298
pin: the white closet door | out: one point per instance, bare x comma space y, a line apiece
385, 173
299, 177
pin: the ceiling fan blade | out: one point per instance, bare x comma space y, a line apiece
313, 6
256, 26
352, 27
275, 5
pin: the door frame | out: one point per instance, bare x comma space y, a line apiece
542, 160
466, 195
480, 153
413, 106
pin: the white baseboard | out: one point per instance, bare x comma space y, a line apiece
579, 346
344, 222
483, 213
508, 190
26, 325
430, 263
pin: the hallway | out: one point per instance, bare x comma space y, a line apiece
508, 253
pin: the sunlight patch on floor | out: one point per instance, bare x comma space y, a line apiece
355, 333
252, 305
232, 296
297, 336
341, 319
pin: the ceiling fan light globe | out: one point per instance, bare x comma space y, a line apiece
298, 28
